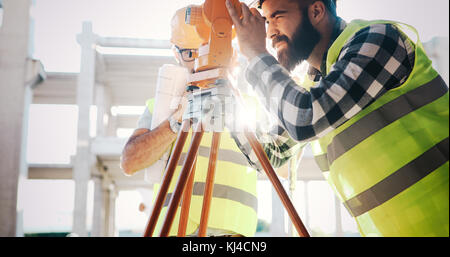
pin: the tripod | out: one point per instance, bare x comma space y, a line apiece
201, 102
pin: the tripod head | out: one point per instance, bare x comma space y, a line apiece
209, 94
214, 27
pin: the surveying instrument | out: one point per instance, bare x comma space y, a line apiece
209, 90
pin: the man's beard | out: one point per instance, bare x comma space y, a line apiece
301, 46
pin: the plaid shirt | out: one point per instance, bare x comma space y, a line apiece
376, 59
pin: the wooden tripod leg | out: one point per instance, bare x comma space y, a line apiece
207, 195
168, 174
187, 167
264, 160
185, 203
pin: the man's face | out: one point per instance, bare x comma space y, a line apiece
291, 32
184, 58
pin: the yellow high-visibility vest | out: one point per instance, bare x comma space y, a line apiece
389, 163
234, 200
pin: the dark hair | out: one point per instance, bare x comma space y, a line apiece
329, 4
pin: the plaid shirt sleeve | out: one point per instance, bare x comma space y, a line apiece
375, 60
277, 144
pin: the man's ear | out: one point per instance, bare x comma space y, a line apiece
316, 12
176, 54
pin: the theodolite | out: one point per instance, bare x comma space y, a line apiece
210, 89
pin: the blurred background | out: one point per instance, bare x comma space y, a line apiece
88, 67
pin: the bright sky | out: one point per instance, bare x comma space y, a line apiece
58, 22
430, 18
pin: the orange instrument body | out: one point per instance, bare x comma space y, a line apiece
214, 26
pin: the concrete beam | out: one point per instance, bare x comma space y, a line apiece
58, 88
127, 121
52, 171
134, 43
108, 146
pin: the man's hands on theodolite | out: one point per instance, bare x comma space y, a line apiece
250, 30
178, 113
216, 107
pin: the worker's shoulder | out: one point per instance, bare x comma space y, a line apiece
375, 36
377, 30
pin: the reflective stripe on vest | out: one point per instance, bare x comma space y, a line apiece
223, 155
389, 163
234, 193
224, 192
385, 115
400, 180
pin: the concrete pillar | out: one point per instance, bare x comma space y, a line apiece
103, 223
292, 178
278, 217
106, 122
99, 208
14, 39
103, 103
337, 204
110, 211
35, 75
99, 102
23, 170
85, 92
101, 184
111, 130
306, 197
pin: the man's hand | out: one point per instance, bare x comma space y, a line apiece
178, 114
250, 30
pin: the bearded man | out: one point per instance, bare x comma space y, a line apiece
376, 115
